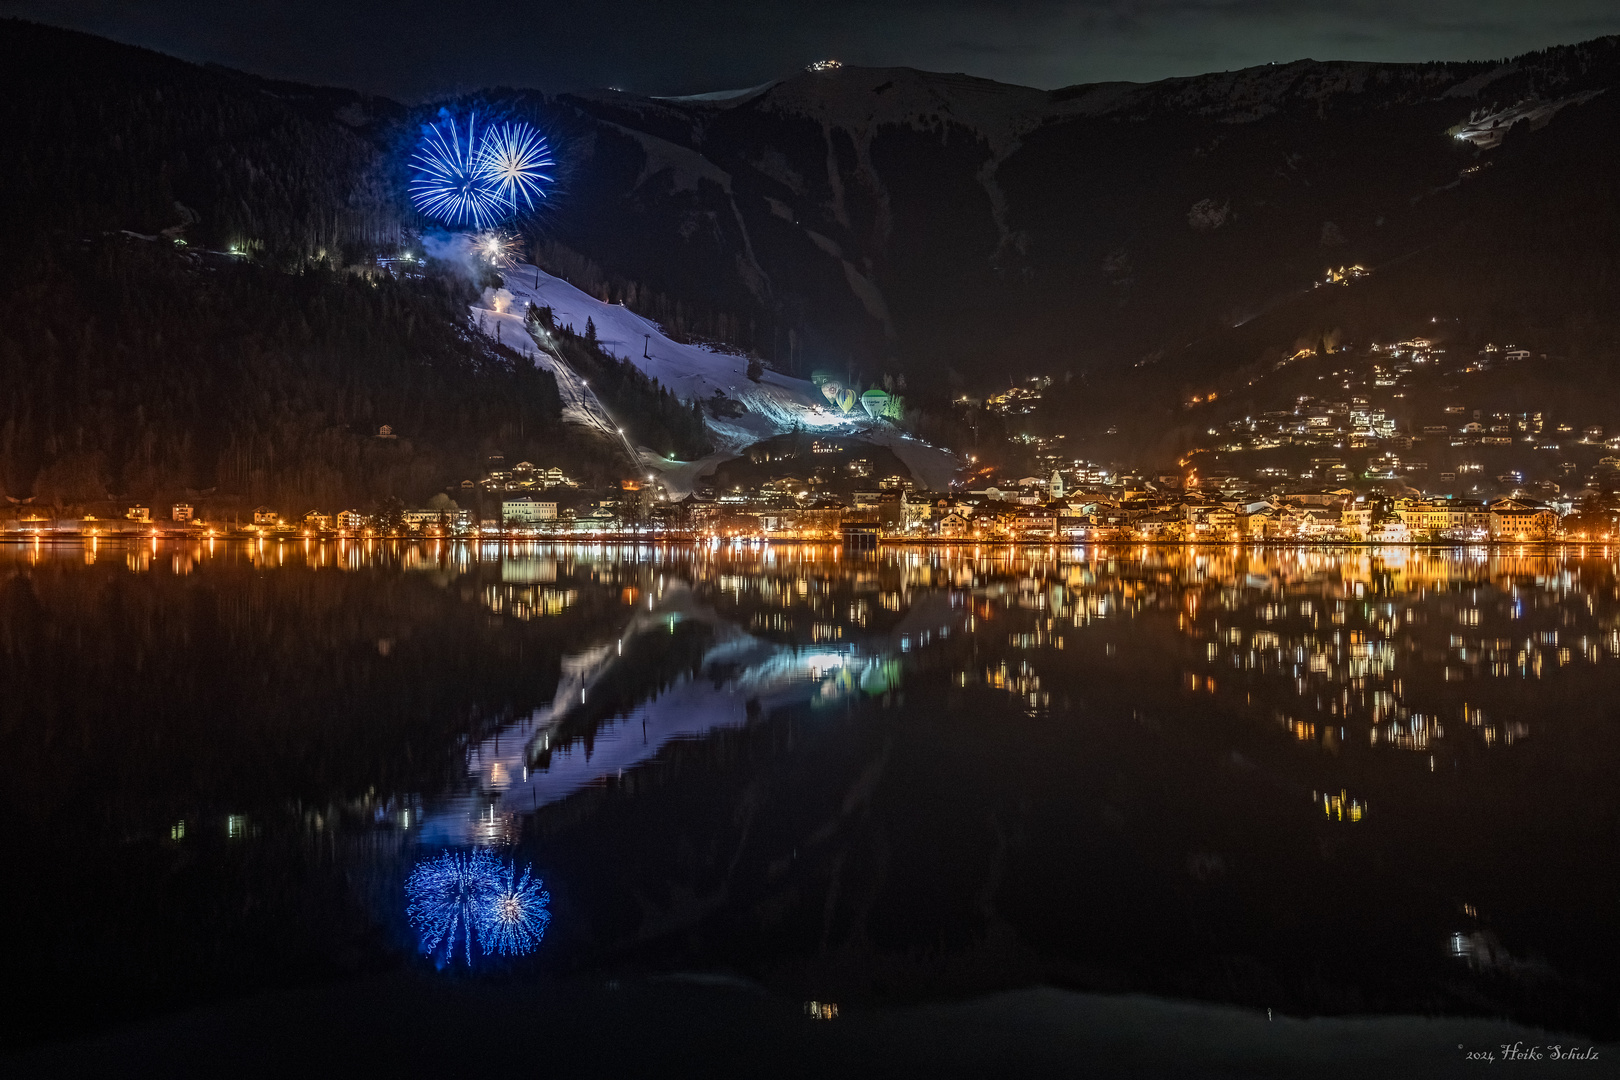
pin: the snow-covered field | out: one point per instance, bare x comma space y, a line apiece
776, 404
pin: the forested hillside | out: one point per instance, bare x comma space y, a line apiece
136, 371
193, 308
1524, 250
102, 136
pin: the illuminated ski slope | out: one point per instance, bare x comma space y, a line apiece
774, 405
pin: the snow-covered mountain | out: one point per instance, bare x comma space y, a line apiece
957, 229
1138, 242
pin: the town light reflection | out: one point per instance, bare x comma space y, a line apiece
1403, 651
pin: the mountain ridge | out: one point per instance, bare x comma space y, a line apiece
1275, 104
1139, 240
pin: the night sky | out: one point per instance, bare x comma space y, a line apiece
412, 49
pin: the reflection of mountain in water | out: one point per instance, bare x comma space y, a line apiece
1279, 777
734, 678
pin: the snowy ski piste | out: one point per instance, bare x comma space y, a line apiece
775, 405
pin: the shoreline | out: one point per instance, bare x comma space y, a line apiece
66, 536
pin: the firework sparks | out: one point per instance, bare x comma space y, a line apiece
499, 249
515, 919
481, 177
459, 900
449, 183
449, 896
513, 159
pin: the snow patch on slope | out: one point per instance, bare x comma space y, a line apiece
775, 405
685, 166
861, 100
720, 97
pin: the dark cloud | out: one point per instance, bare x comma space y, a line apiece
418, 48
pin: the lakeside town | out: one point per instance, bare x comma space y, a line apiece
1406, 448
849, 501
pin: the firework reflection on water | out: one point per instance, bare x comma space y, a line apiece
474, 901
516, 918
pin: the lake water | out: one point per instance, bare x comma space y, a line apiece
1317, 781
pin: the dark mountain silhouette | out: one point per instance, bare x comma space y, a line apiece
939, 223
1134, 240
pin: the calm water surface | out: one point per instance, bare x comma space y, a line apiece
1319, 781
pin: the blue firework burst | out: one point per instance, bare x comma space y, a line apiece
513, 159
515, 918
479, 177
449, 895
450, 184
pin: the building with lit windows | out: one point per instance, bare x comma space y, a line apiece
527, 512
